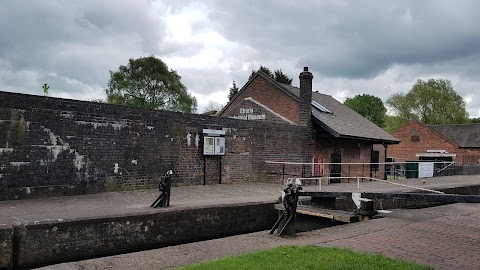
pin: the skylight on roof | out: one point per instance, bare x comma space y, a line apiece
320, 107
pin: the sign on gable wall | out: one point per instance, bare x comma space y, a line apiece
249, 114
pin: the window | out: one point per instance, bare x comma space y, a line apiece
414, 135
320, 107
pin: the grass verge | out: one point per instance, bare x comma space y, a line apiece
306, 257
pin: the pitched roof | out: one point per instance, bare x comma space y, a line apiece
463, 135
341, 121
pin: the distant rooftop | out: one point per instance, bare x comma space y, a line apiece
463, 135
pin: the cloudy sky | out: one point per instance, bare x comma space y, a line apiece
352, 47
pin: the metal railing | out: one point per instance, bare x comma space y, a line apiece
358, 180
381, 170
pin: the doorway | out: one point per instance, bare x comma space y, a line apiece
374, 167
335, 169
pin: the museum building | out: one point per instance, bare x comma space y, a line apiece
339, 134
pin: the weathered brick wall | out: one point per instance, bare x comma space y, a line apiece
51, 146
266, 93
6, 247
50, 242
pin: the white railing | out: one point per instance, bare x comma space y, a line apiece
319, 182
380, 170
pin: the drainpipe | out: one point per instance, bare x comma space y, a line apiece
385, 158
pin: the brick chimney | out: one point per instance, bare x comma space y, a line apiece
305, 117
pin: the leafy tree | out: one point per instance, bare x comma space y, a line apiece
282, 78
277, 75
233, 90
147, 82
432, 102
370, 107
475, 120
265, 70
392, 123
212, 106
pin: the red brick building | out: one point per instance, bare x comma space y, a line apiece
459, 143
339, 134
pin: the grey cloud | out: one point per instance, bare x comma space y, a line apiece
196, 80
354, 39
347, 44
79, 40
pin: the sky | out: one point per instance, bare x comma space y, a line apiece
376, 47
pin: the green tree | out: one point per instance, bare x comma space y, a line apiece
392, 123
370, 107
475, 120
432, 102
148, 83
280, 77
265, 70
277, 75
233, 90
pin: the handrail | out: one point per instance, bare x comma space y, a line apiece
349, 163
446, 167
365, 177
398, 184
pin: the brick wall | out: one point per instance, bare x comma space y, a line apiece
422, 139
39, 244
305, 103
51, 146
351, 151
251, 109
262, 90
425, 139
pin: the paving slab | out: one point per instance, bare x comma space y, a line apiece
449, 241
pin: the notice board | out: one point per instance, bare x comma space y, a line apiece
425, 169
213, 146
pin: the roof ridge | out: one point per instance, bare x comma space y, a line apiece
452, 125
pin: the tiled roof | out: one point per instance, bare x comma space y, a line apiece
343, 121
463, 135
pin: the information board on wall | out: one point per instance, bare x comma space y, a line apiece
213, 142
425, 169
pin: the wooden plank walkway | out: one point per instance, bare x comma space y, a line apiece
338, 215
